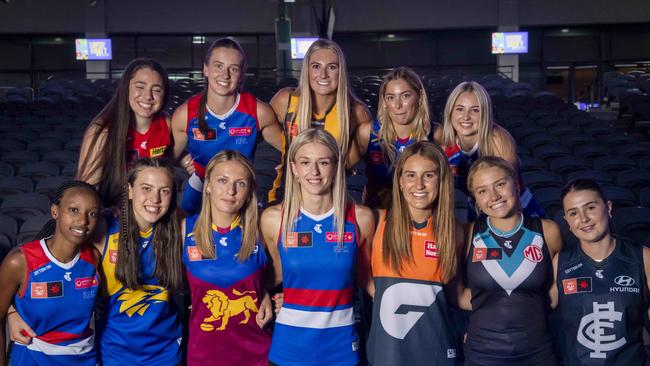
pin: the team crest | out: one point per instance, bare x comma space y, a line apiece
138, 301
222, 308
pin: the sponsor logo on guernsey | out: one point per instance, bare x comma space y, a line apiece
143, 145
576, 285
222, 308
299, 240
157, 151
376, 158
223, 241
508, 244
599, 273
222, 125
595, 326
430, 249
193, 253
46, 290
318, 228
454, 169
451, 353
112, 256
572, 268
42, 269
625, 284
533, 253
199, 136
85, 282
355, 345
67, 277
399, 310
240, 131
479, 254
333, 237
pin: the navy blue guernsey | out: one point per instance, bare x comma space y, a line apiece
603, 306
509, 275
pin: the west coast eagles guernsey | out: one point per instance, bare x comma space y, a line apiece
603, 306
423, 335
316, 323
57, 303
140, 326
226, 295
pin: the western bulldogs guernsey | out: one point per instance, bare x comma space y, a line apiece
151, 144
422, 335
58, 304
316, 323
509, 275
139, 326
226, 295
603, 306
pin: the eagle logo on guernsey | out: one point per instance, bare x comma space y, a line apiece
222, 308
138, 301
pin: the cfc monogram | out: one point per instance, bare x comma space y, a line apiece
591, 332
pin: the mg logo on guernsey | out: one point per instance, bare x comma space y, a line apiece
533, 253
593, 328
397, 322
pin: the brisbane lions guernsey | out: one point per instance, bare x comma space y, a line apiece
140, 326
151, 144
57, 303
603, 306
226, 295
410, 322
316, 323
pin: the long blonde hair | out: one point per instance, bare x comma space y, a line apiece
293, 196
396, 243
421, 121
344, 96
485, 162
247, 214
486, 118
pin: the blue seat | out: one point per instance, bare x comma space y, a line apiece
38, 171
632, 222
10, 186
541, 179
31, 227
22, 206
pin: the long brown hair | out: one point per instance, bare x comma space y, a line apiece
114, 120
219, 43
247, 214
396, 243
421, 121
166, 236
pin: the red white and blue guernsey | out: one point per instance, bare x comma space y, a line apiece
57, 302
226, 295
316, 324
237, 130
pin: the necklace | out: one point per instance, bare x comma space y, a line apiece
506, 233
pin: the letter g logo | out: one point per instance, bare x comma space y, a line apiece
418, 295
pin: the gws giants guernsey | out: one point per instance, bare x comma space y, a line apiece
603, 306
226, 295
58, 304
410, 322
316, 323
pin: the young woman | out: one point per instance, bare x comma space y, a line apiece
469, 131
414, 255
53, 283
131, 126
317, 240
222, 117
324, 97
509, 273
225, 260
141, 265
602, 284
402, 119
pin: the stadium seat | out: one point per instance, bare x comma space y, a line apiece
45, 145
69, 170
31, 227
591, 151
632, 222
599, 176
8, 229
49, 185
644, 197
22, 206
6, 170
8, 144
19, 158
549, 198
620, 197
529, 164
634, 179
634, 150
38, 171
10, 186
564, 165
549, 152
61, 158
541, 179
613, 164
532, 141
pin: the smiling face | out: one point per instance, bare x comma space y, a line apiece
150, 196
146, 93
495, 192
76, 214
466, 116
324, 72
419, 183
587, 215
314, 168
401, 101
224, 71
229, 187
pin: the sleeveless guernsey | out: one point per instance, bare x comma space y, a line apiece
226, 295
58, 304
316, 323
603, 306
509, 276
140, 326
423, 334
328, 121
151, 144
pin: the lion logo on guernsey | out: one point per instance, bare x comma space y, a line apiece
591, 332
223, 308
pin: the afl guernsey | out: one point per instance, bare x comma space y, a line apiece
423, 334
140, 326
316, 323
603, 306
151, 144
509, 274
328, 120
226, 295
57, 302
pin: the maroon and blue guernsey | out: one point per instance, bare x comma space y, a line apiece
57, 302
226, 295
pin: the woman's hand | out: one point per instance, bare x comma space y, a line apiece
266, 312
278, 300
18, 330
188, 163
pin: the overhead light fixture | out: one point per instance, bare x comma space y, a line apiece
565, 30
198, 39
391, 35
